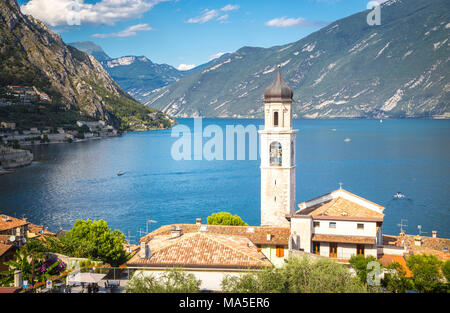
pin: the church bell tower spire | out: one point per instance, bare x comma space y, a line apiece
277, 155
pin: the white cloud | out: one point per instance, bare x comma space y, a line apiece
209, 15
185, 67
217, 55
290, 22
61, 12
205, 17
230, 7
128, 32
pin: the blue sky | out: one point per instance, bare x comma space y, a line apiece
187, 32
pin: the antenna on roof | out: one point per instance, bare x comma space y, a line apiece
149, 221
129, 237
419, 227
401, 225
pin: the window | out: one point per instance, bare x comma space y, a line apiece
360, 226
333, 250
360, 249
275, 119
276, 154
316, 224
280, 251
316, 248
332, 224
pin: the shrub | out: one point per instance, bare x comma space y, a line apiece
171, 281
225, 218
297, 275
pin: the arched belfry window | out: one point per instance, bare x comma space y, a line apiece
275, 119
276, 154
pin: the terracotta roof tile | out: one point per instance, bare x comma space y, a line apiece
387, 259
198, 249
340, 207
4, 248
280, 235
11, 223
344, 239
436, 246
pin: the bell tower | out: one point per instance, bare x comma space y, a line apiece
277, 155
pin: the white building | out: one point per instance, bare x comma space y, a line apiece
338, 224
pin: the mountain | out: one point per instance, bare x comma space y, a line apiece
92, 49
135, 74
347, 69
32, 55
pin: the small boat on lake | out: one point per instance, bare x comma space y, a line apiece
120, 174
399, 195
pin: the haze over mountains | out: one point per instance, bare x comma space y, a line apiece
345, 70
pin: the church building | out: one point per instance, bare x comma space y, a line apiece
338, 224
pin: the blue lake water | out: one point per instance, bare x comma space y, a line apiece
79, 180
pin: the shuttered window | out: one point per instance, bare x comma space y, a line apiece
280, 251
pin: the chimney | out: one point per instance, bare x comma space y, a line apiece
18, 279
269, 237
418, 241
175, 232
198, 221
25, 219
434, 232
145, 252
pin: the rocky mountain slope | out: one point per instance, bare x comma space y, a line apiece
31, 54
137, 75
346, 70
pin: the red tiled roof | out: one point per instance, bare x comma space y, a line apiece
11, 223
429, 245
200, 250
280, 235
10, 289
36, 229
4, 248
344, 239
340, 207
387, 259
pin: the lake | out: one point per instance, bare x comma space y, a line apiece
79, 180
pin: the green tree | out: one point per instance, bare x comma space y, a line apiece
446, 270
171, 281
359, 263
425, 269
95, 239
297, 275
395, 279
225, 218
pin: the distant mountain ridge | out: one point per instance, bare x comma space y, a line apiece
137, 75
32, 55
348, 69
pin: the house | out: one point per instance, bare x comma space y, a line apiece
210, 251
8, 125
13, 226
37, 231
338, 225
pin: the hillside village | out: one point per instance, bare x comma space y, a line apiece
335, 226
